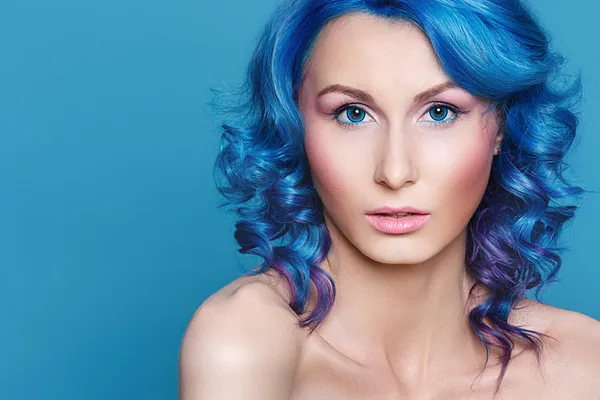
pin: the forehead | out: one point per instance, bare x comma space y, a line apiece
360, 48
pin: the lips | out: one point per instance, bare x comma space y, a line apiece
397, 226
396, 211
396, 215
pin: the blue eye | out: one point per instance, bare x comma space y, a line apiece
438, 112
438, 109
354, 114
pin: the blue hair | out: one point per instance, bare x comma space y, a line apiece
492, 48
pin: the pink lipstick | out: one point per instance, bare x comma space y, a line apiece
397, 220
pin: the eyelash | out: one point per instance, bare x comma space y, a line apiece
438, 125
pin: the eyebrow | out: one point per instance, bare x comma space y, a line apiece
363, 96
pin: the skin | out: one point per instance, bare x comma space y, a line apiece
398, 328
401, 298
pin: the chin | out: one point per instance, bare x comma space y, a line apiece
393, 251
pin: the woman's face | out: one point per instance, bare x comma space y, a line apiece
392, 147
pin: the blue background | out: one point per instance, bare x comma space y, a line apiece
109, 233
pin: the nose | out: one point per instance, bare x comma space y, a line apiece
395, 167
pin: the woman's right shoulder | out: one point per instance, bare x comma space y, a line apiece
242, 342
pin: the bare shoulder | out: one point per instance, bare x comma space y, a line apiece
579, 335
573, 360
242, 342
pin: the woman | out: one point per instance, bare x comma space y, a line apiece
404, 159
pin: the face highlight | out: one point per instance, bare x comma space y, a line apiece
385, 126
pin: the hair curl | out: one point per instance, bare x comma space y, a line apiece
492, 48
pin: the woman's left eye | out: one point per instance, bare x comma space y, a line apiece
439, 112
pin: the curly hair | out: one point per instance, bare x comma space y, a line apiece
494, 49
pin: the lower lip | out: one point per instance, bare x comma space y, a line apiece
399, 225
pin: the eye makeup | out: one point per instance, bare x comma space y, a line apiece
457, 114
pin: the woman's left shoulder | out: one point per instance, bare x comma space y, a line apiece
574, 358
579, 333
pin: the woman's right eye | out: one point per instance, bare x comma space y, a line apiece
350, 115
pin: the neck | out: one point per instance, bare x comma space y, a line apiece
410, 318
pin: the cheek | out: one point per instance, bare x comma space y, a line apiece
472, 171
325, 167
333, 170
325, 164
468, 173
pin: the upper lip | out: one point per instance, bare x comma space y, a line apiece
393, 210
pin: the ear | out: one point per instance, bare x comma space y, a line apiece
499, 138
